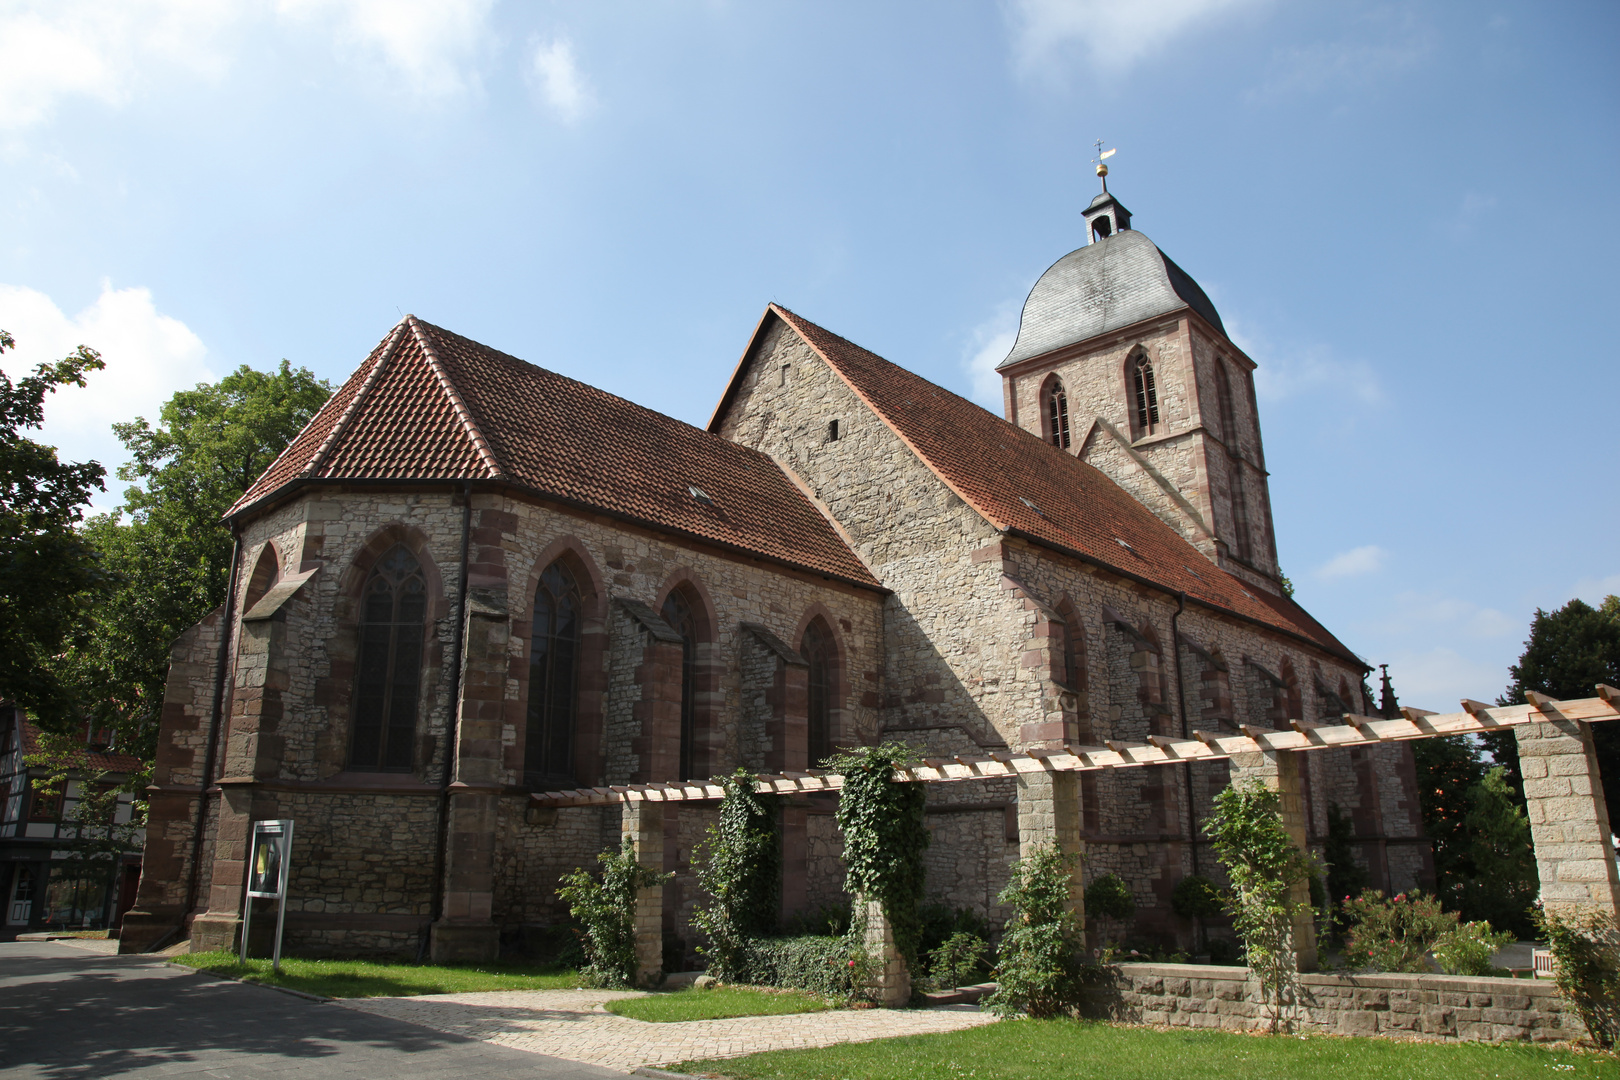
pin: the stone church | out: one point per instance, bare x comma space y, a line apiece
471, 579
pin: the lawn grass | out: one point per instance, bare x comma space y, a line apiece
716, 1004
372, 978
1079, 1050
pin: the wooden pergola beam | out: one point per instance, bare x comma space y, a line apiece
1159, 750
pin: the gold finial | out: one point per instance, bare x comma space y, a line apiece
1101, 162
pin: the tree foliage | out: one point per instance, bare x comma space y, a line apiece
1263, 865
167, 545
49, 576
739, 864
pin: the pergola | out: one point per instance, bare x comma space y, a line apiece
1569, 821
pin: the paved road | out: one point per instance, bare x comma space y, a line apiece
67, 1014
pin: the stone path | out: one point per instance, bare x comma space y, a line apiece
573, 1024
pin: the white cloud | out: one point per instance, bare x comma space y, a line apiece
148, 356
51, 50
1595, 589
1111, 34
1439, 678
1299, 371
1429, 613
427, 45
1311, 68
1355, 562
557, 81
988, 345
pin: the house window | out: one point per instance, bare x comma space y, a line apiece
392, 627
548, 749
818, 652
832, 431
45, 805
1147, 398
677, 612
1057, 416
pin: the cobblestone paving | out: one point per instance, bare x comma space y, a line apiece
573, 1024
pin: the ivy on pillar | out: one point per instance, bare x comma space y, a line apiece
642, 823
1282, 771
1569, 819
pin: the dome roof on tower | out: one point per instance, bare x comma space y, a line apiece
1113, 282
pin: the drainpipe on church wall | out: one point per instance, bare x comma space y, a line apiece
1181, 707
453, 728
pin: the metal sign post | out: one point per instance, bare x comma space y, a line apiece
269, 866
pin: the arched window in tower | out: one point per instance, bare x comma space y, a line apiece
1147, 397
1223, 392
1057, 415
818, 652
393, 617
677, 612
1102, 228
548, 748
1240, 513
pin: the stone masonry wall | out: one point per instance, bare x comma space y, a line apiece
1443, 1008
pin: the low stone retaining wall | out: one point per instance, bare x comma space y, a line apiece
1450, 1008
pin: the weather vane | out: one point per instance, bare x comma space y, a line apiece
1101, 162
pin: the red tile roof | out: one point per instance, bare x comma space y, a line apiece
99, 760
431, 405
1000, 470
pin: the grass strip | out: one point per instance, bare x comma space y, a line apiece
372, 978
1079, 1050
716, 1004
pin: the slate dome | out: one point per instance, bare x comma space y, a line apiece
1110, 283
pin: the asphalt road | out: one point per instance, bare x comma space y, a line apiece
67, 1014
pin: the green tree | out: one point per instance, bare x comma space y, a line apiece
167, 545
1569, 652
48, 574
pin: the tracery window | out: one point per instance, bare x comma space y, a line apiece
1147, 398
554, 646
392, 628
818, 652
677, 612
1057, 415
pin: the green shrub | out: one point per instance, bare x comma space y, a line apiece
1108, 897
956, 961
1195, 897
1394, 934
1222, 951
1586, 966
739, 864
822, 965
1467, 948
941, 922
828, 920
1038, 969
606, 909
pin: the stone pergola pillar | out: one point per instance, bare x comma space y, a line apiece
889, 982
1569, 819
643, 823
1048, 813
1282, 771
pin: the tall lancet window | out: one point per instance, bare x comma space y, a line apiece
393, 621
818, 653
1057, 415
1147, 398
548, 751
678, 614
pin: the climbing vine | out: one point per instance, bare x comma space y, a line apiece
884, 837
739, 864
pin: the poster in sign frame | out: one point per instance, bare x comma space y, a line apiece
269, 866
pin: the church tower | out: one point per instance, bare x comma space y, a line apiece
1122, 360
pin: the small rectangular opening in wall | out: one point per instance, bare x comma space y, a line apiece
782, 375
832, 431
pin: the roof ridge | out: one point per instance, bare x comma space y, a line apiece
463, 413
324, 451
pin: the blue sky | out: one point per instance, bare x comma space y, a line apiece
1405, 214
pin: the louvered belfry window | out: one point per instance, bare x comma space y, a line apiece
818, 653
1147, 398
548, 749
677, 613
392, 628
1057, 416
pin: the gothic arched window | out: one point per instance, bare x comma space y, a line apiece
1147, 397
677, 612
548, 749
1057, 415
818, 652
1223, 394
393, 619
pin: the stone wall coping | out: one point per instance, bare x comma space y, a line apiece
775, 644
282, 591
649, 619
1383, 980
